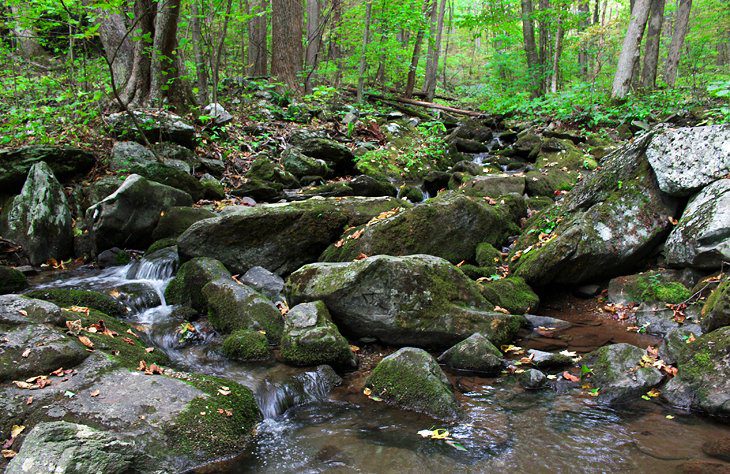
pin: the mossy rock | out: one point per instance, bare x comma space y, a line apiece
186, 288
259, 190
474, 354
511, 293
301, 165
212, 188
716, 311
176, 220
266, 170
66, 297
487, 255
412, 379
246, 345
161, 244
311, 338
170, 176
618, 374
475, 272
547, 183
651, 286
412, 193
11, 280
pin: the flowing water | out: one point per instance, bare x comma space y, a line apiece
308, 428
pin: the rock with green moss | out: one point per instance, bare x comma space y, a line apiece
170, 176
651, 286
65, 161
678, 341
266, 170
412, 379
176, 220
233, 306
618, 374
279, 237
311, 338
538, 184
246, 345
474, 354
511, 293
702, 382
66, 297
212, 188
716, 311
301, 165
412, 193
615, 218
659, 320
448, 226
487, 255
337, 156
258, 190
186, 288
494, 185
18, 310
161, 244
527, 144
417, 300
11, 280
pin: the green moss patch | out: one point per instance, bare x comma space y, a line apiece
653, 287
245, 344
11, 280
65, 297
511, 293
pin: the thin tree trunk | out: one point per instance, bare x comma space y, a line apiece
585, 17
630, 49
528, 35
434, 50
555, 80
26, 38
314, 40
363, 51
411, 80
257, 32
542, 53
200, 63
651, 50
219, 51
336, 53
449, 31
286, 41
681, 25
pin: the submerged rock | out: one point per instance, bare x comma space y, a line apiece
416, 300
702, 237
311, 338
474, 354
413, 380
618, 374
532, 379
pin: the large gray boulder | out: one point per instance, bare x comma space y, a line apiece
474, 354
610, 222
128, 217
412, 379
16, 310
702, 237
157, 126
40, 218
417, 300
494, 185
618, 373
279, 237
125, 154
687, 159
65, 161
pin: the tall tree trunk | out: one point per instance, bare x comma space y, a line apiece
219, 51
585, 18
257, 32
314, 40
165, 65
201, 66
26, 38
117, 45
555, 79
630, 49
542, 52
681, 24
138, 86
363, 51
434, 50
411, 80
651, 50
528, 35
449, 32
335, 52
286, 41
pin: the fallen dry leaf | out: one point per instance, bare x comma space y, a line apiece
8, 453
568, 376
25, 353
86, 341
149, 349
95, 393
16, 430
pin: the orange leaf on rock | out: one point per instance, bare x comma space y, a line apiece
568, 376
86, 341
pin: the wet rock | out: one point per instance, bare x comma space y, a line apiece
702, 382
449, 227
473, 130
336, 155
414, 300
435, 181
532, 379
687, 159
604, 230
466, 166
565, 135
157, 126
716, 311
263, 281
176, 220
128, 217
527, 145
702, 237
279, 237
543, 360
112, 257
699, 466
546, 322
246, 345
217, 114
494, 185
11, 280
718, 448
616, 371
138, 296
413, 380
465, 145
676, 342
65, 163
260, 191
474, 354
18, 310
58, 446
66, 297
511, 293
412, 193
232, 306
301, 165
40, 219
311, 338
651, 286
659, 320
186, 288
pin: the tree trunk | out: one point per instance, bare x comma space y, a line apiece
26, 38
585, 18
528, 35
681, 24
411, 81
335, 52
449, 32
363, 51
286, 41
434, 49
651, 50
257, 32
216, 66
138, 86
630, 49
117, 45
165, 64
542, 52
201, 67
555, 79
314, 40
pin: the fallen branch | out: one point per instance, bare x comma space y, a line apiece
420, 103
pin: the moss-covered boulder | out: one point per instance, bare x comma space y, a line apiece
18, 310
258, 190
417, 300
716, 311
170, 176
11, 280
362, 185
487, 255
702, 382
266, 170
66, 297
246, 345
279, 237
412, 379
608, 224
186, 288
620, 374
233, 306
65, 161
650, 286
474, 354
337, 156
511, 293
311, 338
527, 144
176, 220
301, 165
494, 185
212, 188
449, 227
161, 244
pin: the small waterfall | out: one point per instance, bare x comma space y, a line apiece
155, 270
276, 398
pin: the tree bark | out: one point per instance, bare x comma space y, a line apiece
543, 44
26, 38
138, 85
681, 25
630, 49
363, 51
215, 69
314, 40
555, 79
411, 80
117, 45
528, 35
286, 41
585, 18
165, 65
257, 32
434, 50
201, 67
651, 50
